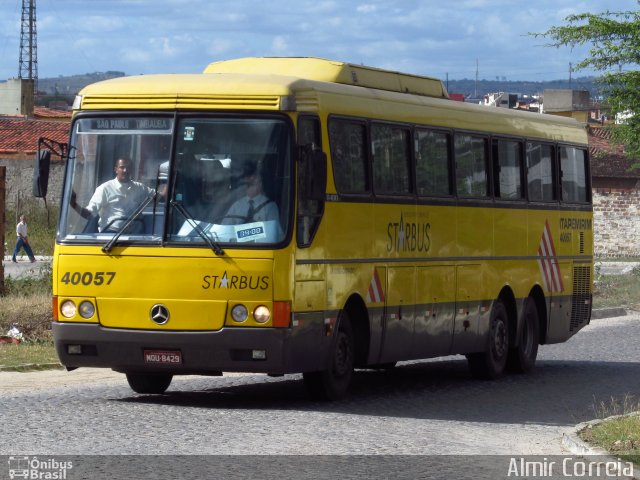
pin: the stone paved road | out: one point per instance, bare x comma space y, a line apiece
425, 408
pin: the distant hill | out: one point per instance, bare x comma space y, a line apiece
473, 89
470, 88
73, 84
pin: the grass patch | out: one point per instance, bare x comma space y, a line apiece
620, 436
28, 356
26, 303
617, 290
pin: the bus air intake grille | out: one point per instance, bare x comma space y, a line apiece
256, 102
581, 299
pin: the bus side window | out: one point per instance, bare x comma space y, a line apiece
507, 164
310, 210
391, 156
349, 156
432, 163
540, 172
472, 179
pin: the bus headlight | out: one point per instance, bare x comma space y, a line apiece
86, 309
261, 314
239, 313
68, 309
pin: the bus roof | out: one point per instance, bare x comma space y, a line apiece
313, 84
331, 71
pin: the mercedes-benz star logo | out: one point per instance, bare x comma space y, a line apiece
159, 314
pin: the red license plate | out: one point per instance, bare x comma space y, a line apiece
163, 357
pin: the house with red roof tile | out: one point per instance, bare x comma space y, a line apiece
18, 146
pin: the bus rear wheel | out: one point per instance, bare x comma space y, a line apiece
522, 358
149, 383
491, 363
333, 383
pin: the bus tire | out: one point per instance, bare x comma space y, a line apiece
522, 358
149, 383
490, 364
333, 383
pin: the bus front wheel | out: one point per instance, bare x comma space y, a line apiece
333, 383
490, 364
149, 383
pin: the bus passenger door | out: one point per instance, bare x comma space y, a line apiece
435, 310
399, 316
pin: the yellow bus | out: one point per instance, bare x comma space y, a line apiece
301, 215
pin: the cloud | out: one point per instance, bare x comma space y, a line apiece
279, 45
418, 36
367, 8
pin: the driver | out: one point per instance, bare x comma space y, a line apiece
255, 206
115, 200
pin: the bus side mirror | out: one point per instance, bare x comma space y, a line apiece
41, 173
314, 174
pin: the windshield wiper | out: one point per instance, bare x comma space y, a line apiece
109, 245
217, 249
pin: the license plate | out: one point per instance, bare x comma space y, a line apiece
163, 357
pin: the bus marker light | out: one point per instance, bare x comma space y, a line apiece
239, 313
281, 314
55, 308
68, 309
74, 349
261, 314
259, 354
329, 324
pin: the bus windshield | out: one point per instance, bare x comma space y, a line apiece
228, 179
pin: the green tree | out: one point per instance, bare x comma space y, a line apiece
614, 39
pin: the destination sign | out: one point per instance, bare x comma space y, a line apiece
130, 124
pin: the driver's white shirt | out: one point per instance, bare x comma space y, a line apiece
114, 202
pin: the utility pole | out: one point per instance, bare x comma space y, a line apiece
475, 95
28, 62
570, 68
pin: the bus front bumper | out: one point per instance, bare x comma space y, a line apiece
261, 350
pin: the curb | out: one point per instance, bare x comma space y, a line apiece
599, 313
572, 442
32, 367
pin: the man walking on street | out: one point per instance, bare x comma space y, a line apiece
23, 240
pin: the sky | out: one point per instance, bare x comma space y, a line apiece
452, 39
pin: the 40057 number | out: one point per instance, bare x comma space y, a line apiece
88, 278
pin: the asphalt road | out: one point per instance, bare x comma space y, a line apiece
426, 409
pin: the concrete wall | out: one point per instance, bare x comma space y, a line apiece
16, 97
19, 183
560, 100
2, 185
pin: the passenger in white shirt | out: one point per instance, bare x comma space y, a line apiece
115, 200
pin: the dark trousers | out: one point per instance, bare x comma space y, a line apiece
27, 248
